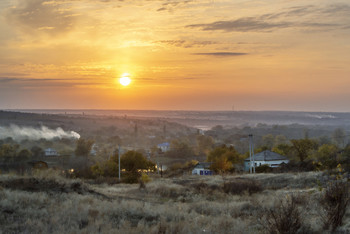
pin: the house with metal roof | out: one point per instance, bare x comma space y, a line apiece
202, 169
266, 157
164, 147
51, 152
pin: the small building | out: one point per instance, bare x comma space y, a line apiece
266, 157
164, 147
202, 169
50, 152
93, 150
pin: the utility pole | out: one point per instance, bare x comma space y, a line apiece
253, 154
250, 153
119, 162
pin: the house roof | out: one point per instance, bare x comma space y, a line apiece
50, 150
267, 155
165, 144
204, 165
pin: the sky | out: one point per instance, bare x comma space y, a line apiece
179, 54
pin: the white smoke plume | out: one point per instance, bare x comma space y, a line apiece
20, 133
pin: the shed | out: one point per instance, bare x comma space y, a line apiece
202, 169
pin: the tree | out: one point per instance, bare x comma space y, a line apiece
7, 150
221, 164
179, 149
133, 162
204, 144
24, 154
37, 151
283, 149
327, 155
224, 158
280, 139
339, 137
303, 147
268, 141
83, 147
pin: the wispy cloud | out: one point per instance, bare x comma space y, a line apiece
172, 5
52, 17
222, 54
186, 44
241, 25
306, 17
50, 82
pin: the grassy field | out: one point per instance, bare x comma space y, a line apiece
49, 203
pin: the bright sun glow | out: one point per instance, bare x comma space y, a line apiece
125, 80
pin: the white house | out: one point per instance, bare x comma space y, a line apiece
51, 152
266, 157
202, 169
164, 147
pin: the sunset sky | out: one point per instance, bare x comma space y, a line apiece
179, 54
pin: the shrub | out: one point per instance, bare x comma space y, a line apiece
283, 217
334, 203
240, 186
263, 169
145, 178
130, 177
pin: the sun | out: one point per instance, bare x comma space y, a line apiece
125, 79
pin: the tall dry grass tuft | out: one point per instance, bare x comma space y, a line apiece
334, 202
240, 186
284, 217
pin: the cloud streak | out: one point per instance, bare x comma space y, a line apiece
241, 25
307, 17
222, 54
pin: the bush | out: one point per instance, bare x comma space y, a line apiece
242, 185
334, 203
263, 169
145, 178
130, 177
283, 217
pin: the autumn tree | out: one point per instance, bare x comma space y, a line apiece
224, 158
327, 155
8, 150
83, 147
339, 137
283, 149
133, 162
303, 147
268, 141
204, 144
179, 149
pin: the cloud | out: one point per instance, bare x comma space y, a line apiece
172, 5
222, 54
241, 25
49, 82
308, 17
52, 17
186, 44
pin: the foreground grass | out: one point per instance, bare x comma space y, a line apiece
233, 204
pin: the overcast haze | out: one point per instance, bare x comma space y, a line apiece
187, 55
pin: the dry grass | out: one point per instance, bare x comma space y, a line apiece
190, 204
